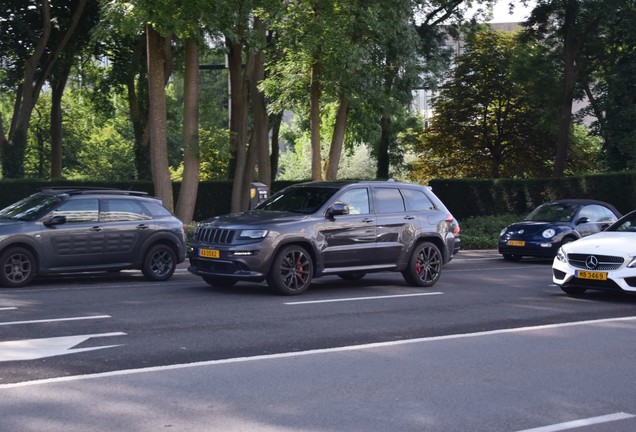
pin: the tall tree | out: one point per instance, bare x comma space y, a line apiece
570, 25
32, 45
484, 125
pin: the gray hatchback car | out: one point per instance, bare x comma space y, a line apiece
68, 230
329, 228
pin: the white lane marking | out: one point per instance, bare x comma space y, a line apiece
31, 349
581, 423
304, 353
7, 308
361, 298
54, 320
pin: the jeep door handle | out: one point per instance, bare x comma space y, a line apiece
409, 217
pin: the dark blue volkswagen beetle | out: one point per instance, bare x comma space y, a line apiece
553, 224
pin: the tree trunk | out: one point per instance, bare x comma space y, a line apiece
189, 185
571, 51
275, 122
157, 118
58, 85
314, 119
238, 121
261, 118
337, 140
383, 148
137, 90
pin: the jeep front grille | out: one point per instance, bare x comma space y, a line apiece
214, 235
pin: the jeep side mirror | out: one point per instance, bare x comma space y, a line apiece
337, 209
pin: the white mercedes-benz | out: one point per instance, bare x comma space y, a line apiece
602, 261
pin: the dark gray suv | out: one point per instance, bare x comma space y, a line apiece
329, 228
66, 230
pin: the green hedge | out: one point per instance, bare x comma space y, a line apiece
469, 197
464, 197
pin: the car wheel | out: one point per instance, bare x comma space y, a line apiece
18, 267
512, 257
573, 290
160, 263
352, 276
291, 270
219, 282
425, 265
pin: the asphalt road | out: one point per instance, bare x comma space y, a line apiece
493, 346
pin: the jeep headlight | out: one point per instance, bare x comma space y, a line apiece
549, 233
253, 234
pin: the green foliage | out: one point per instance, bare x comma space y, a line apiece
478, 197
482, 232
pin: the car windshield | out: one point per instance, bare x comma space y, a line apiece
305, 200
625, 225
552, 213
29, 208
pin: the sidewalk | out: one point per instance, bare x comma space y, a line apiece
477, 254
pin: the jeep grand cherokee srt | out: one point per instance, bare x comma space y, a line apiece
328, 228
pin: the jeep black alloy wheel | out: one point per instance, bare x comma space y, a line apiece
425, 265
18, 267
160, 263
291, 271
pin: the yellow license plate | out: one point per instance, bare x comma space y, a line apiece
516, 243
584, 274
209, 253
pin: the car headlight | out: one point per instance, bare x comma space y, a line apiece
561, 255
632, 263
549, 233
253, 234
503, 231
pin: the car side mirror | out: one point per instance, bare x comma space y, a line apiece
55, 220
582, 220
338, 209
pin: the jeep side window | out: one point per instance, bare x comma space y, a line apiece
388, 200
357, 200
417, 200
81, 210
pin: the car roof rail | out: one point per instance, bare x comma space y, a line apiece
85, 190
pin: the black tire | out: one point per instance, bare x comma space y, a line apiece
425, 265
574, 290
160, 263
512, 257
219, 282
18, 267
352, 276
292, 270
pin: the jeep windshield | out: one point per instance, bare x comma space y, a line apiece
30, 208
304, 200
